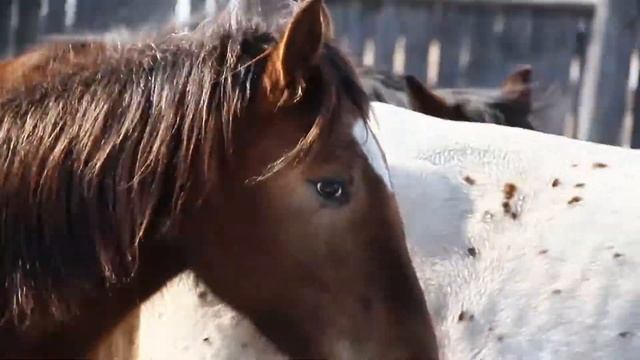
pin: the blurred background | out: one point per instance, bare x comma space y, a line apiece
584, 53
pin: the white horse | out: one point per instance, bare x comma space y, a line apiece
527, 246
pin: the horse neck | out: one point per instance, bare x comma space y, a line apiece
97, 308
99, 313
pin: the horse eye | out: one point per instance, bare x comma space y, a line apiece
331, 190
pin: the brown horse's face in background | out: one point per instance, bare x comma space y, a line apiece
314, 254
510, 105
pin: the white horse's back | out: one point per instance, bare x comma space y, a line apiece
527, 246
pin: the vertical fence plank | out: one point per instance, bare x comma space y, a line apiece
580, 54
454, 37
353, 31
105, 14
355, 22
635, 135
99, 16
483, 52
139, 12
361, 27
85, 15
5, 27
198, 6
55, 21
387, 32
515, 38
554, 40
340, 20
417, 28
603, 98
553, 45
28, 24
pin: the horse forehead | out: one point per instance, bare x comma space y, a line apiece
370, 146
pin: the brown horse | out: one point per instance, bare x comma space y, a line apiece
509, 106
240, 155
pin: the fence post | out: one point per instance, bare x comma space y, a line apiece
603, 97
635, 135
28, 24
361, 25
554, 34
84, 12
197, 6
96, 16
386, 35
55, 21
417, 28
453, 36
482, 69
5, 27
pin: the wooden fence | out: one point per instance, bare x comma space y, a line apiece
456, 44
582, 51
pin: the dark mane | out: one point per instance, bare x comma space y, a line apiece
104, 153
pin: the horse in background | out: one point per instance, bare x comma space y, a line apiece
214, 151
509, 106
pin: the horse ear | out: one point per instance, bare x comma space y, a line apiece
423, 100
298, 49
517, 86
327, 23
